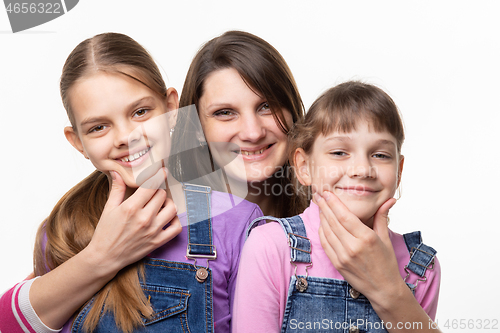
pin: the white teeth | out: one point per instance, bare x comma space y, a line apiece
131, 158
245, 152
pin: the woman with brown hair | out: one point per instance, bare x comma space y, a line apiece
247, 101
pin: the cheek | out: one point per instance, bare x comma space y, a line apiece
95, 152
325, 176
390, 179
216, 131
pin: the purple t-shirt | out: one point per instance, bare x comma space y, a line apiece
230, 218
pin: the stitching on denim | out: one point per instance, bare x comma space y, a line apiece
80, 318
209, 219
186, 322
206, 314
179, 268
181, 300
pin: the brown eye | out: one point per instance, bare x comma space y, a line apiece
97, 128
381, 156
140, 112
223, 113
338, 153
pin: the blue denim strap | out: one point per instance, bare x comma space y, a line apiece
421, 255
198, 204
300, 245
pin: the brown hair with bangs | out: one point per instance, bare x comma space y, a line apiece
265, 71
339, 109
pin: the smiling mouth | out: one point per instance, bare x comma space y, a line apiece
256, 152
133, 157
358, 190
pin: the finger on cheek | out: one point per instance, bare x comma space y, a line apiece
326, 195
317, 198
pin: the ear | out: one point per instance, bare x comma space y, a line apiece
172, 99
172, 118
300, 161
74, 140
400, 169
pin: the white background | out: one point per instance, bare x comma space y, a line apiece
438, 60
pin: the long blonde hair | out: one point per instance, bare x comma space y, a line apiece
71, 224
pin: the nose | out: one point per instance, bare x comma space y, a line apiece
252, 128
126, 134
361, 167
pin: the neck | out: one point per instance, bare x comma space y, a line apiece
265, 195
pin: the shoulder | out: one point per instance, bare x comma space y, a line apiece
233, 206
401, 247
233, 212
268, 240
266, 256
231, 216
427, 290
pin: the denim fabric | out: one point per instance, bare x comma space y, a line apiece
421, 254
300, 246
327, 306
199, 219
180, 303
332, 305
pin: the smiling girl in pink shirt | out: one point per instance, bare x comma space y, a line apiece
338, 267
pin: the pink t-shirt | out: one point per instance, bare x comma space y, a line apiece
265, 271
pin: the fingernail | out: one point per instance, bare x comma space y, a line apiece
317, 197
326, 195
113, 175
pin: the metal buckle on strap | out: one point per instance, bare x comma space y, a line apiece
203, 256
431, 264
301, 284
290, 242
201, 188
424, 279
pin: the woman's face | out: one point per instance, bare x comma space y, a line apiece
118, 124
234, 116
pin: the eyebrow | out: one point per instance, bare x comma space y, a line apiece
228, 105
347, 138
91, 120
386, 142
218, 106
338, 138
133, 105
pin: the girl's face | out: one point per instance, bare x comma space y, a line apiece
114, 124
362, 168
233, 115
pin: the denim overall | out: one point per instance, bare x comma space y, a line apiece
180, 293
317, 304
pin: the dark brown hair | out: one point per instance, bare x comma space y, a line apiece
265, 71
71, 224
339, 109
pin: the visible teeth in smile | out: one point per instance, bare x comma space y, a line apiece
131, 158
245, 152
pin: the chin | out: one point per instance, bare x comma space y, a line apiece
361, 211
